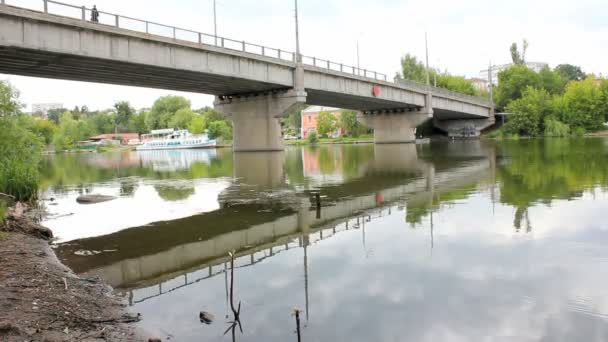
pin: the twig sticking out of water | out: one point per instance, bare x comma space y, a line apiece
236, 312
296, 312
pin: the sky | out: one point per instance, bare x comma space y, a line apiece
463, 36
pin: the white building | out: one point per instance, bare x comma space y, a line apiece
536, 66
43, 108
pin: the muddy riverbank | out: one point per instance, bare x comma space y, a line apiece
42, 300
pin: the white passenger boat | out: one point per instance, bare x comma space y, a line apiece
171, 139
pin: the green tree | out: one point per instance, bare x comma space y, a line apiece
350, 124
164, 109
45, 129
197, 125
326, 123
312, 137
455, 83
137, 123
583, 105
71, 132
124, 111
412, 69
512, 82
529, 112
19, 148
570, 72
181, 118
519, 58
9, 100
98, 123
220, 129
54, 114
552, 81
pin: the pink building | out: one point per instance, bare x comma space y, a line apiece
309, 119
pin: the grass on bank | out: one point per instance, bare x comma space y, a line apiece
341, 140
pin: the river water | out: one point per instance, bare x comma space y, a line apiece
459, 241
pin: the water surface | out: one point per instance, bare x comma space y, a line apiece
460, 241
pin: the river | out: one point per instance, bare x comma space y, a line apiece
458, 241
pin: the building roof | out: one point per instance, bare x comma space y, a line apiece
316, 109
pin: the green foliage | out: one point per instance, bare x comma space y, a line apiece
455, 83
181, 119
220, 129
326, 123
519, 58
529, 111
124, 112
70, 132
137, 123
570, 72
19, 158
45, 129
583, 105
197, 125
9, 100
512, 82
97, 123
312, 137
412, 69
3, 213
552, 81
54, 114
349, 123
163, 110
556, 128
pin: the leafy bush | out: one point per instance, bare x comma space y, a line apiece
556, 128
220, 129
312, 137
19, 157
529, 112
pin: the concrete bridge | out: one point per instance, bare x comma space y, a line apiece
254, 85
157, 254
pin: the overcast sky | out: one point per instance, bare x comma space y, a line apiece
463, 36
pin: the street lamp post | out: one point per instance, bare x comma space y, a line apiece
215, 22
298, 56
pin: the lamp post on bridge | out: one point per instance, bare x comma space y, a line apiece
214, 23
298, 55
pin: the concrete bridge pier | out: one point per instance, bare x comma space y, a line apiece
255, 118
395, 128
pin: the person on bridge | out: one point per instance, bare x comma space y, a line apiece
94, 14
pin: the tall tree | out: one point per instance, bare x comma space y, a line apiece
9, 100
512, 82
326, 123
412, 69
163, 110
518, 57
570, 72
124, 111
350, 124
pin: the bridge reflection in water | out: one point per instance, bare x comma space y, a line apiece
264, 213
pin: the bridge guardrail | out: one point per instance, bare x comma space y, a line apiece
83, 13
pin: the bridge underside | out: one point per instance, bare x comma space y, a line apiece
38, 63
358, 103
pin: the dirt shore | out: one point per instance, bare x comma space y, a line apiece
42, 300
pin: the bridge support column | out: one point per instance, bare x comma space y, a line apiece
394, 128
255, 119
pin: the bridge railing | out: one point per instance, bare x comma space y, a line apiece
167, 31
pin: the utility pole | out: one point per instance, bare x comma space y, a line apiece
358, 65
426, 46
215, 22
298, 56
